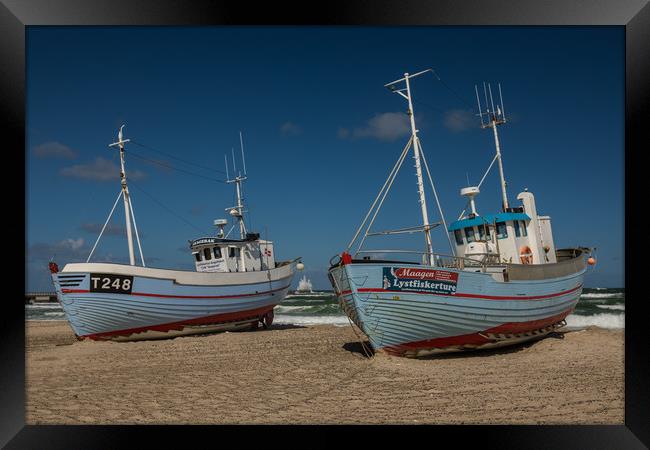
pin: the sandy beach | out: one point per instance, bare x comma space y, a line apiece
318, 375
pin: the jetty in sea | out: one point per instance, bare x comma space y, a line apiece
38, 297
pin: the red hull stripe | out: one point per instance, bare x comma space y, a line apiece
214, 319
144, 294
457, 294
476, 338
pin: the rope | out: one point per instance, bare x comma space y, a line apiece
394, 175
176, 168
168, 210
435, 194
452, 91
480, 182
178, 159
105, 223
363, 345
137, 236
408, 144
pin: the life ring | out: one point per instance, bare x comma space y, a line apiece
526, 255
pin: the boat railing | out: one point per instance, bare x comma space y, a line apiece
482, 260
570, 261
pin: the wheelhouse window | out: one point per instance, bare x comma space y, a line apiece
524, 232
502, 230
469, 233
207, 253
517, 231
233, 252
458, 234
197, 255
484, 232
217, 252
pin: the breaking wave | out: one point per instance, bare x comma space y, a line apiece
608, 321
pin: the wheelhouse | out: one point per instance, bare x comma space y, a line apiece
214, 254
518, 235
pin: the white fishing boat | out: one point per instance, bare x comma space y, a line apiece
236, 282
503, 283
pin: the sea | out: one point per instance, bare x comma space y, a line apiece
600, 307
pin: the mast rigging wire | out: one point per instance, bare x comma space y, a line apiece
169, 210
105, 223
451, 90
372, 207
153, 161
435, 194
178, 159
137, 236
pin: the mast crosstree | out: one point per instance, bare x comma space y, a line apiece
495, 117
418, 156
128, 207
237, 211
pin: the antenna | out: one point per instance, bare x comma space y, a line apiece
494, 113
491, 100
495, 116
237, 211
241, 143
478, 101
487, 107
503, 109
225, 157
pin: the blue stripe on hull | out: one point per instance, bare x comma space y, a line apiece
92, 313
400, 317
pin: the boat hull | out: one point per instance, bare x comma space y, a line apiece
414, 310
163, 303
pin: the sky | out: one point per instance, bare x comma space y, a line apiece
320, 134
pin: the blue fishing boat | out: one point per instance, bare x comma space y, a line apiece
235, 285
503, 283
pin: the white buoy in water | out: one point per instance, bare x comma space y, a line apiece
300, 266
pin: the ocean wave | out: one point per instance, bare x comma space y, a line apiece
311, 309
311, 295
43, 306
338, 321
608, 295
609, 321
614, 307
282, 308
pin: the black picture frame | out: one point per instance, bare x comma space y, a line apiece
634, 15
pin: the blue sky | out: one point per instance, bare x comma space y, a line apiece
321, 134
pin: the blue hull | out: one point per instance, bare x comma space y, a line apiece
414, 310
158, 307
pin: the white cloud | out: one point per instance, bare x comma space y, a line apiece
66, 250
290, 129
100, 170
111, 229
384, 127
457, 120
75, 244
54, 150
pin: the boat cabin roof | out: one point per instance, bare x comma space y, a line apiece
487, 219
250, 237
